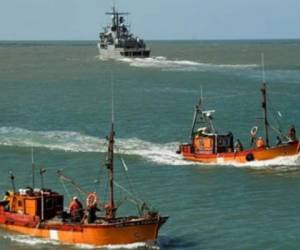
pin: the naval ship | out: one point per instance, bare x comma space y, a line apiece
116, 40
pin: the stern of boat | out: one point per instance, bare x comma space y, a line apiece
184, 149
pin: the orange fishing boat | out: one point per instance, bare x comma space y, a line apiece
39, 212
208, 146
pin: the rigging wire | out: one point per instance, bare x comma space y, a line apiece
275, 116
65, 189
137, 200
134, 197
127, 176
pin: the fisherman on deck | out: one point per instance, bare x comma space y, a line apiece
238, 146
92, 208
292, 133
260, 143
6, 198
253, 138
91, 216
76, 210
278, 140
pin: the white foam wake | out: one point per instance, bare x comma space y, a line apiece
34, 241
163, 63
139, 245
180, 65
279, 163
161, 153
28, 240
78, 142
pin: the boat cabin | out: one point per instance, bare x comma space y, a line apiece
42, 203
205, 142
211, 143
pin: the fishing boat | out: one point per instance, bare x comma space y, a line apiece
39, 212
116, 41
209, 146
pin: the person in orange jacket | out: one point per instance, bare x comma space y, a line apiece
76, 210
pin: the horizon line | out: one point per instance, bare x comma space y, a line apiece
150, 40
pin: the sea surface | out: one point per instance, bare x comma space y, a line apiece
56, 98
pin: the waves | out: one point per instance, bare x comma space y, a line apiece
160, 153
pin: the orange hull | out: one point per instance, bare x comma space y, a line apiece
257, 154
121, 231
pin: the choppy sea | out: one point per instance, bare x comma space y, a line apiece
56, 98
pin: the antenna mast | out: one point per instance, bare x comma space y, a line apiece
33, 169
12, 178
42, 171
264, 101
263, 67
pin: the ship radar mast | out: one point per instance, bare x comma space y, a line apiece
116, 19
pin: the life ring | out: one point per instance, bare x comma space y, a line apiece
250, 157
91, 199
253, 131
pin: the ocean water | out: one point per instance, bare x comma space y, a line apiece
56, 98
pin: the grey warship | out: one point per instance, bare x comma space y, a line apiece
116, 40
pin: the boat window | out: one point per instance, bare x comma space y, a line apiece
20, 203
59, 203
49, 204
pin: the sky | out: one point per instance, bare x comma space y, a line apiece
151, 19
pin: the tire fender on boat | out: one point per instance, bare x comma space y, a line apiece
249, 157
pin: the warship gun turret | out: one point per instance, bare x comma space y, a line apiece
117, 41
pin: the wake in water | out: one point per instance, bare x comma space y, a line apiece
77, 142
155, 152
37, 242
24, 239
280, 164
179, 65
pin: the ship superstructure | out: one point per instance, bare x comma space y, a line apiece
116, 40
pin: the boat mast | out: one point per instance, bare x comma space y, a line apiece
111, 210
202, 117
196, 113
264, 102
110, 213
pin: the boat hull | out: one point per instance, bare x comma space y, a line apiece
257, 154
111, 52
116, 233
